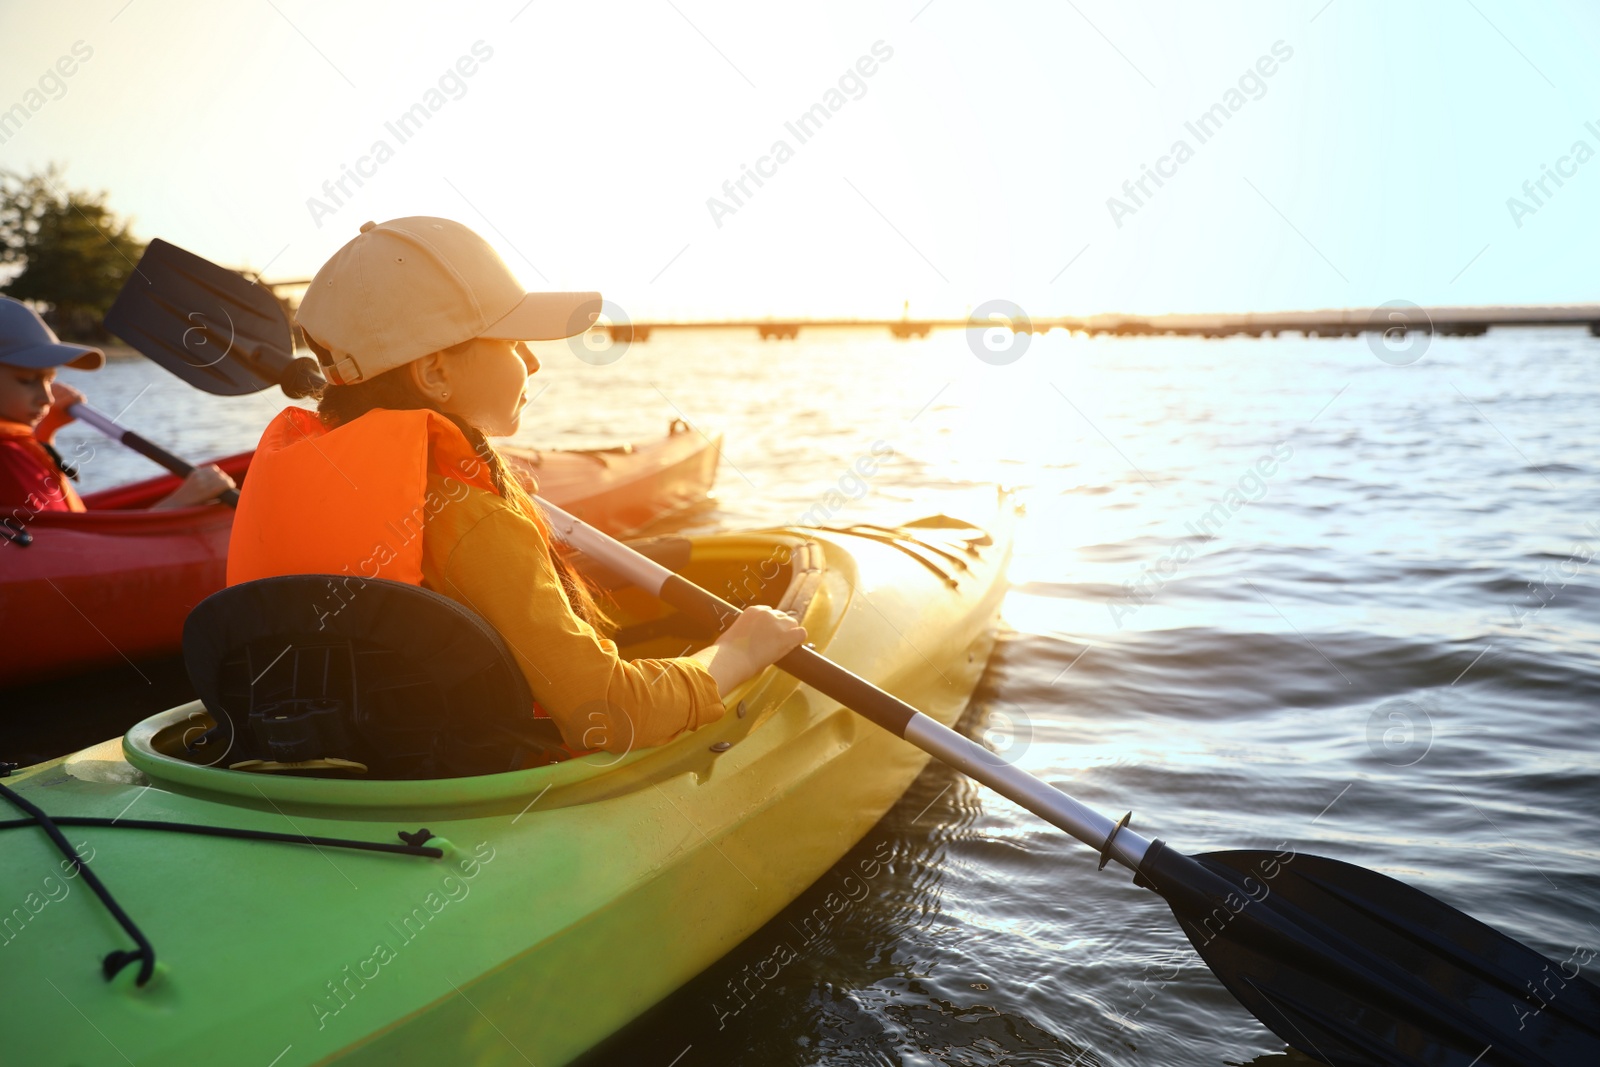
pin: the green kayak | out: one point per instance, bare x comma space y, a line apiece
548, 907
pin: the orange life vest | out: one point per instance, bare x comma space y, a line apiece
352, 500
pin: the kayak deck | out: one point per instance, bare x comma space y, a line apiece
571, 897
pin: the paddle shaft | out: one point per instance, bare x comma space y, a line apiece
864, 698
145, 447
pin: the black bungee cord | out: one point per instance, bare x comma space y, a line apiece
145, 953
118, 958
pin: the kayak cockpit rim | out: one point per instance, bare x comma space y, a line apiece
782, 569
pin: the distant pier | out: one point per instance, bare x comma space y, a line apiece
1349, 322
1346, 322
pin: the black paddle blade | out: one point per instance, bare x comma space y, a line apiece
211, 326
1359, 970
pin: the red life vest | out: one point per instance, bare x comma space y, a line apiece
30, 478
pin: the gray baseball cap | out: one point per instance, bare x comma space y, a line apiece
26, 341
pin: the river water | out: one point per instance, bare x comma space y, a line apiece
1266, 592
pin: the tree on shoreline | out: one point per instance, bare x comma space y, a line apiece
73, 250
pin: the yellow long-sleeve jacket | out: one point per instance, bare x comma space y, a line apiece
483, 553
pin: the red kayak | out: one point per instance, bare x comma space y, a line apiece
115, 583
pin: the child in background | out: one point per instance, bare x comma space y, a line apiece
33, 406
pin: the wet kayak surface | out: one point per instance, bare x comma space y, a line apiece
1266, 592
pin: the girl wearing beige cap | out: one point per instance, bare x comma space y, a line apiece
420, 328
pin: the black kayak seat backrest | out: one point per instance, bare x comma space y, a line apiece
406, 682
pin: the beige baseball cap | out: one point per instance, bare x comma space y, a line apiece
404, 288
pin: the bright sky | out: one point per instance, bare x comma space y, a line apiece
975, 162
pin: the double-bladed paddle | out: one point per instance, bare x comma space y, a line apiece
1346, 965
